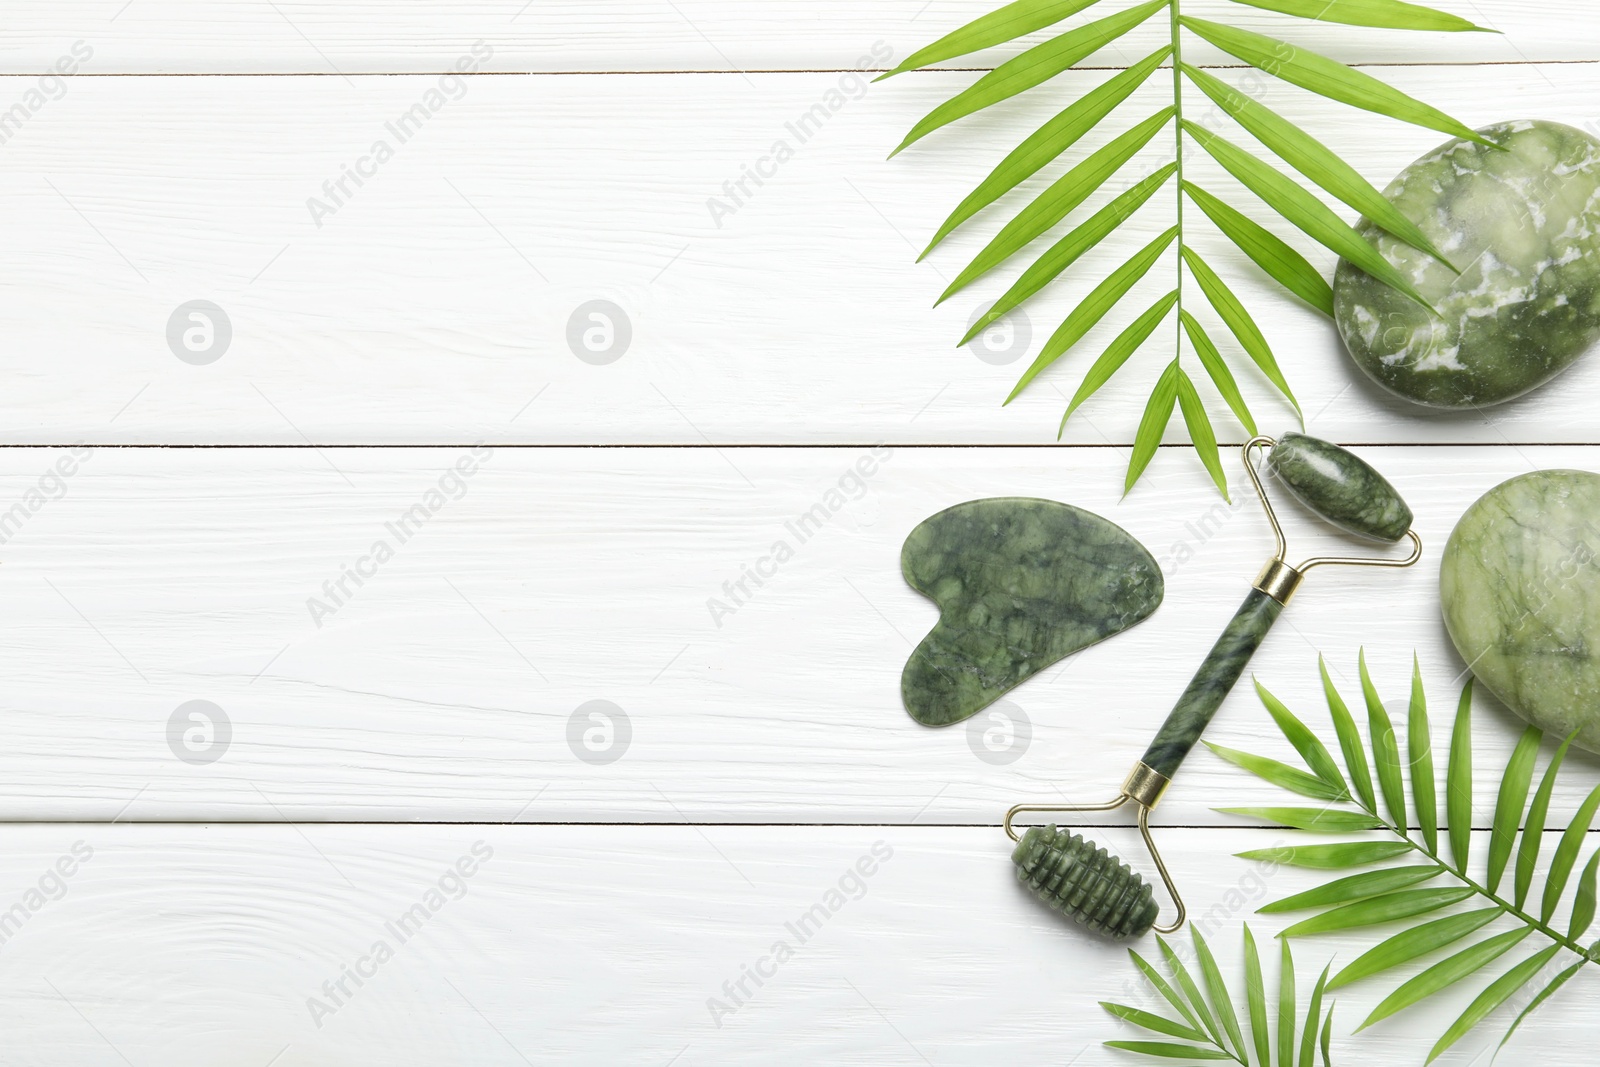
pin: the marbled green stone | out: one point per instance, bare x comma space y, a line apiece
1019, 583
1520, 588
1524, 227
1339, 486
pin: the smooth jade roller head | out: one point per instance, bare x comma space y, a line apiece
1339, 486
1077, 878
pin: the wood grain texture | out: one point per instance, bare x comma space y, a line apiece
445, 685
587, 945
362, 36
433, 305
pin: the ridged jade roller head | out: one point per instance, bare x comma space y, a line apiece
1084, 881
1340, 486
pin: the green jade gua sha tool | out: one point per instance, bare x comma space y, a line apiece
1095, 887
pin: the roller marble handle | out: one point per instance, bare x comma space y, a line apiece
1212, 682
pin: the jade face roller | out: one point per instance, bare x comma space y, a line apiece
1093, 886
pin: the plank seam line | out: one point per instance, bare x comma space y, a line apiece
752, 446
661, 825
712, 72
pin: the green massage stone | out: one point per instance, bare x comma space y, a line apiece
1020, 583
1523, 226
1520, 588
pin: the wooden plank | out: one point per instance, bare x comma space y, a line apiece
434, 304
240, 36
199, 945
454, 681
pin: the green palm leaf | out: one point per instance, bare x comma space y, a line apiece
1533, 830
1385, 753
1509, 807
1446, 973
1175, 386
1066, 251
1051, 139
1238, 320
1210, 1027
1356, 887
1112, 359
1325, 77
1158, 412
1350, 744
1458, 902
1311, 215
1198, 423
1313, 159
1056, 202
1217, 370
997, 27
1384, 14
1283, 264
1279, 774
1034, 67
1458, 789
1500, 990
1413, 943
1424, 786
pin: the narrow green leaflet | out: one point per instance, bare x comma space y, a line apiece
1355, 887
1279, 774
1313, 159
1335, 857
1326, 820
1509, 807
1160, 984
1217, 370
1413, 943
1533, 829
1158, 410
1583, 904
1383, 14
1093, 308
1256, 994
1238, 320
1425, 917
1154, 1023
1066, 251
1458, 784
1544, 994
1033, 67
1198, 423
1217, 990
1350, 743
1191, 992
1313, 751
1168, 1051
1399, 905
1056, 202
1446, 973
1308, 1043
997, 27
1385, 752
1283, 264
1220, 1033
1316, 219
1325, 77
1500, 990
1286, 1008
1424, 785
1567, 855
1051, 139
1117, 353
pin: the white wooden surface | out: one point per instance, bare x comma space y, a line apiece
769, 356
